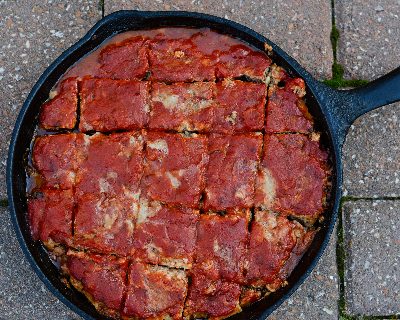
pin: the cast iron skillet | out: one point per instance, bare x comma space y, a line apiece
333, 110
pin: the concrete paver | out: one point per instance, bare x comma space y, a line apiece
302, 29
317, 297
369, 43
22, 294
33, 34
372, 265
371, 154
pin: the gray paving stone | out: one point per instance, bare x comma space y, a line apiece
33, 34
22, 294
369, 43
371, 154
302, 29
372, 266
317, 297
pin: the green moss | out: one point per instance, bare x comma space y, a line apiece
3, 203
334, 39
101, 6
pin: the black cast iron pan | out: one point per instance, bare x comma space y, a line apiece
333, 110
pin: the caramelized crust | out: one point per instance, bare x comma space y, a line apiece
165, 235
174, 168
274, 243
221, 246
182, 106
113, 165
210, 298
231, 171
125, 60
286, 109
100, 278
56, 158
179, 60
50, 216
110, 105
240, 60
293, 175
60, 111
154, 293
240, 106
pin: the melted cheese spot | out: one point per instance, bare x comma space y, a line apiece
53, 94
147, 210
174, 181
160, 145
232, 118
267, 185
216, 245
241, 192
104, 186
168, 100
130, 225
109, 220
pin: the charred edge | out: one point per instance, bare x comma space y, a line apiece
252, 218
78, 107
126, 282
189, 278
306, 222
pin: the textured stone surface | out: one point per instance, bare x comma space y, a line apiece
33, 34
300, 28
369, 43
372, 266
22, 294
317, 297
371, 154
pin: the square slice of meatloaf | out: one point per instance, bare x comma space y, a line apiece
113, 164
101, 278
182, 106
60, 112
240, 106
276, 245
56, 158
179, 60
286, 108
110, 105
211, 298
221, 246
127, 59
293, 175
174, 168
232, 170
165, 235
154, 292
105, 223
241, 60
50, 216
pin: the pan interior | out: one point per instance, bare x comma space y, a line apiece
27, 122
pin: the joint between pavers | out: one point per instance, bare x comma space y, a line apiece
101, 7
337, 80
340, 263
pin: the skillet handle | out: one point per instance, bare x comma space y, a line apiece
342, 107
378, 93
